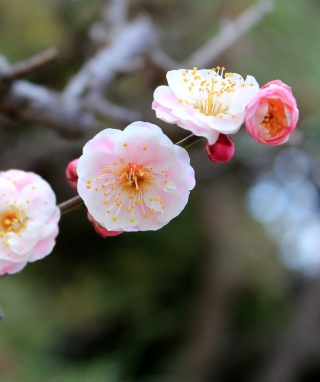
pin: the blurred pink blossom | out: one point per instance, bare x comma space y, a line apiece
135, 179
205, 102
272, 114
221, 151
28, 219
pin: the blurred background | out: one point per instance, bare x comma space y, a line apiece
229, 291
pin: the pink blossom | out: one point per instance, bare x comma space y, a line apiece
221, 151
272, 114
205, 102
28, 219
135, 179
71, 173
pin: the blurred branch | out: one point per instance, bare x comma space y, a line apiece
94, 77
229, 33
74, 111
299, 342
26, 102
219, 280
29, 66
212, 49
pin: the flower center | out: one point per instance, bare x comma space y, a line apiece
135, 176
12, 221
211, 95
130, 187
274, 119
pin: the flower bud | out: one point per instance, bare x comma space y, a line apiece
272, 114
71, 173
221, 151
103, 232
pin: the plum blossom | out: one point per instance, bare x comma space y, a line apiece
272, 114
221, 151
28, 219
206, 102
135, 179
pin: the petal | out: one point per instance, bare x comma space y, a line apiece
104, 141
135, 150
92, 162
11, 267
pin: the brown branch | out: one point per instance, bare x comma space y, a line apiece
70, 204
31, 65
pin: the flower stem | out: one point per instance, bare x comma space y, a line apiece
188, 141
76, 201
70, 204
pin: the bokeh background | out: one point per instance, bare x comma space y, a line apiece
229, 290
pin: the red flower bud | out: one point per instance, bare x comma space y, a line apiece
221, 151
71, 173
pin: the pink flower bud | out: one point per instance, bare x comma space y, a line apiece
103, 232
221, 151
272, 114
71, 173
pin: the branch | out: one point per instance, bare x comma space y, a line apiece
213, 48
299, 342
31, 103
135, 38
29, 66
230, 33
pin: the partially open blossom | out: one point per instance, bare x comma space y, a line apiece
272, 114
28, 219
205, 102
71, 173
221, 151
135, 179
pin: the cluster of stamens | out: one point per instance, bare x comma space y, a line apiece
213, 95
274, 119
12, 221
124, 186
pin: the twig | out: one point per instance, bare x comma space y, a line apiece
108, 109
161, 59
135, 38
30, 65
36, 104
230, 32
70, 204
116, 15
